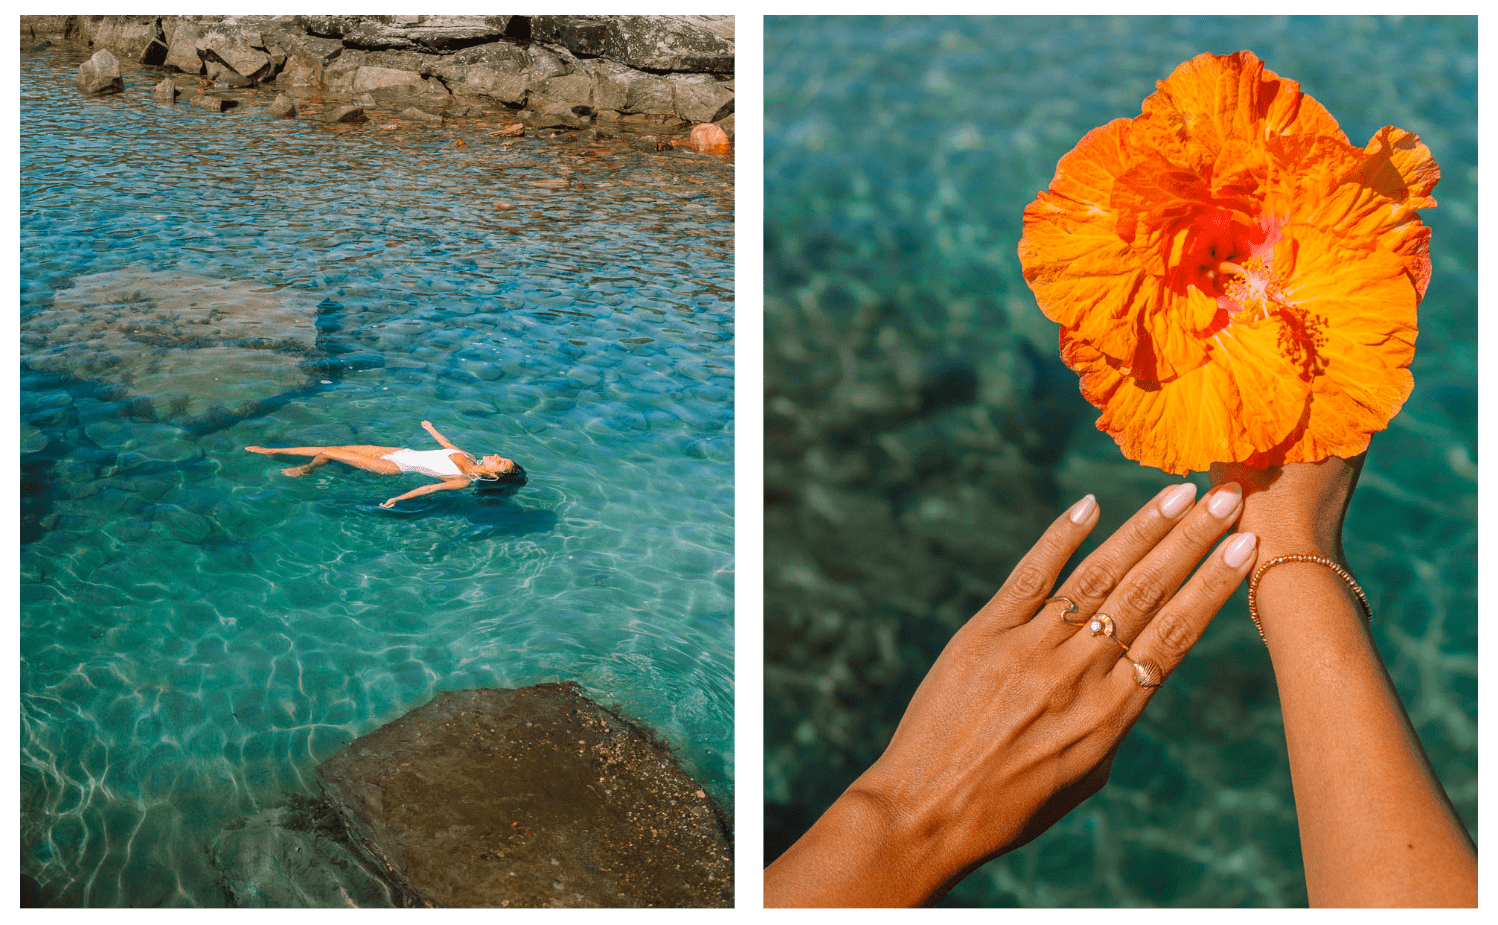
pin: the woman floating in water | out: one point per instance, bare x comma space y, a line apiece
453, 466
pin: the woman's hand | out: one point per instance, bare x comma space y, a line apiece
428, 425
1297, 508
390, 503
1019, 719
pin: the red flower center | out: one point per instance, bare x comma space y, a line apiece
1233, 262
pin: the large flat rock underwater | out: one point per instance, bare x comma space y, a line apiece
535, 797
179, 346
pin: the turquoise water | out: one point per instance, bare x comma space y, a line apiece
921, 432
197, 631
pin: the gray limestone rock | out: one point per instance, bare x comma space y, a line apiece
421, 115
564, 92
656, 43
431, 33
700, 98
239, 47
100, 74
130, 37
210, 102
165, 92
347, 114
527, 798
647, 94
282, 107
182, 51
306, 58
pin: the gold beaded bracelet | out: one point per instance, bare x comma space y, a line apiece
1253, 585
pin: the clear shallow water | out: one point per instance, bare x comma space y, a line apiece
197, 631
920, 431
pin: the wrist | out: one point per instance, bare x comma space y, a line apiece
865, 851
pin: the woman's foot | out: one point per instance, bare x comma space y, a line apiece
295, 471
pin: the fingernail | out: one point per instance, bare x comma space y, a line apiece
1082, 510
1177, 499
1225, 499
1237, 550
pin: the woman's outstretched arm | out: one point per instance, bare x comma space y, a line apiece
1376, 828
447, 485
438, 437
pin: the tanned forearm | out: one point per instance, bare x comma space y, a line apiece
1376, 827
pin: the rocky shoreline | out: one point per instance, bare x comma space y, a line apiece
656, 81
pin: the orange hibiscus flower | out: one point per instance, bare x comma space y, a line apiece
1235, 282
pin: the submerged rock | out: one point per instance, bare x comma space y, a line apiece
181, 346
282, 107
347, 114
528, 798
294, 856
165, 92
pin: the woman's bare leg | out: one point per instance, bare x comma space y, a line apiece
364, 456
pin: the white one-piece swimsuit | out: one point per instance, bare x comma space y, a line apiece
436, 463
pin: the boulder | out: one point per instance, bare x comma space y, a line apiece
700, 98
130, 37
223, 75
554, 118
428, 33
165, 92
421, 115
656, 43
391, 81
648, 94
528, 798
182, 50
282, 107
211, 103
306, 58
709, 139
101, 74
347, 114
564, 92
155, 53
238, 47
496, 71
37, 27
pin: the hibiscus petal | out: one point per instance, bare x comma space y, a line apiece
1213, 99
1247, 399
1378, 198
1361, 308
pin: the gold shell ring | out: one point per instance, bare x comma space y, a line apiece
1147, 673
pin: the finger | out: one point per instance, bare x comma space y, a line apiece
1152, 582
1179, 624
1092, 581
1030, 583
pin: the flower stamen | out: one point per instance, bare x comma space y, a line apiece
1251, 287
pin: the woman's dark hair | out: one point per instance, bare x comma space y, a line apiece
506, 484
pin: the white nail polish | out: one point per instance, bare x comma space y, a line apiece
1082, 510
1177, 499
1223, 503
1238, 549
